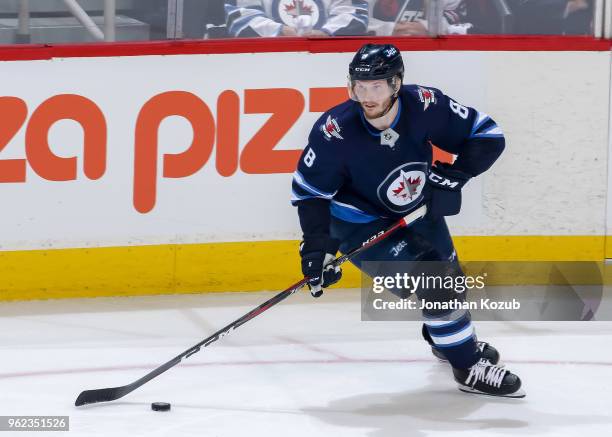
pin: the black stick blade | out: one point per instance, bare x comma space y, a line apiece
101, 395
113, 393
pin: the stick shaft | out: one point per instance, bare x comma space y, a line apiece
113, 393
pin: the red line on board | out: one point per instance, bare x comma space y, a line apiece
30, 52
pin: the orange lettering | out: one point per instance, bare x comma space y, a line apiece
14, 112
178, 165
286, 105
228, 129
67, 107
323, 99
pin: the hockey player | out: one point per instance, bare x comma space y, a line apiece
368, 162
253, 18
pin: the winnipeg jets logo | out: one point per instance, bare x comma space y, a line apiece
402, 189
427, 97
395, 250
331, 129
407, 186
288, 11
297, 7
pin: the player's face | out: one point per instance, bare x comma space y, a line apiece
373, 95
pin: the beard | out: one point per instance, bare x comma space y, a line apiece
372, 115
378, 111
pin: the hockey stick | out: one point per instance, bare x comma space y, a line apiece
113, 393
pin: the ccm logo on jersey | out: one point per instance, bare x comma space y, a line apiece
427, 97
331, 129
442, 181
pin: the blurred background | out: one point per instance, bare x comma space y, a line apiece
77, 21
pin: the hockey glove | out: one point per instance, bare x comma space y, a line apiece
444, 186
317, 253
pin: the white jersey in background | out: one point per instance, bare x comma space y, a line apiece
384, 16
253, 18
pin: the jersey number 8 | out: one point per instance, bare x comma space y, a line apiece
309, 158
458, 109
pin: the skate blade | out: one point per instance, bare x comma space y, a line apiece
520, 393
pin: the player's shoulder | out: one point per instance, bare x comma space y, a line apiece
336, 123
422, 97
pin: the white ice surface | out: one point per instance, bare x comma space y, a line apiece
303, 368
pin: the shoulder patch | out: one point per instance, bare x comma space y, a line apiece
427, 97
331, 128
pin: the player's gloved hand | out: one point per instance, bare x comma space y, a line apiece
317, 253
443, 195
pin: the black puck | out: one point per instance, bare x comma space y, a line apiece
160, 406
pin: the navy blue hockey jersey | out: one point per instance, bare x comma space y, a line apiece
366, 173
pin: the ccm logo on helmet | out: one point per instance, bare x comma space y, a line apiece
442, 181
